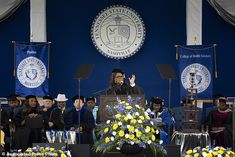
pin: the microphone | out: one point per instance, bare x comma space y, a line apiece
99, 91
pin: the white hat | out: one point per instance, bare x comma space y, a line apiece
61, 97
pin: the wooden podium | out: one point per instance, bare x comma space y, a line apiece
111, 100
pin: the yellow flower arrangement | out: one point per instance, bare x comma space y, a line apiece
131, 124
40, 152
209, 152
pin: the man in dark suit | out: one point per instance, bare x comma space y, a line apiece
60, 118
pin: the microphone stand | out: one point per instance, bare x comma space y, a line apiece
169, 107
79, 111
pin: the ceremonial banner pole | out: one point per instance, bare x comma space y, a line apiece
14, 71
215, 63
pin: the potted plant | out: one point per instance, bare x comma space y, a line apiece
130, 130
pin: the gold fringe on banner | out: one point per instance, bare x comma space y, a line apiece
176, 53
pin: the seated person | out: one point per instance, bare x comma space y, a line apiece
60, 118
31, 133
162, 117
47, 108
118, 86
87, 122
219, 122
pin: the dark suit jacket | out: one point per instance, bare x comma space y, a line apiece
61, 120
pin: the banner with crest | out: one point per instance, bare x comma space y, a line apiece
196, 70
31, 68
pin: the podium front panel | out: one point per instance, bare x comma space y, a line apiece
111, 100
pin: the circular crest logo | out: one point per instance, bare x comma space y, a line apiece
31, 72
118, 32
202, 77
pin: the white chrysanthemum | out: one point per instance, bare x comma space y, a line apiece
204, 154
140, 121
137, 113
138, 106
132, 142
219, 155
127, 136
128, 126
119, 123
69, 153
112, 138
108, 121
146, 113
160, 142
151, 122
149, 142
157, 131
210, 151
194, 150
114, 133
146, 130
129, 116
136, 130
148, 110
117, 148
127, 104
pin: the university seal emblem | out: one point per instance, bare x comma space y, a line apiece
202, 77
118, 32
31, 72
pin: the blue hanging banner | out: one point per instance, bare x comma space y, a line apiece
31, 67
196, 63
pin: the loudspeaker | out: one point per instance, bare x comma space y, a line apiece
79, 150
54, 145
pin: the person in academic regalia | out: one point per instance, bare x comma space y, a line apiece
61, 118
162, 117
87, 122
46, 112
9, 129
118, 86
47, 108
220, 124
25, 133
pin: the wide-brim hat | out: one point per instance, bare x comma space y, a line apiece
61, 97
